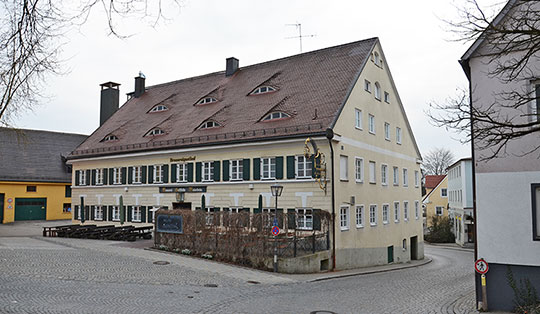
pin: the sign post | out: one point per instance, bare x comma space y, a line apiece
482, 267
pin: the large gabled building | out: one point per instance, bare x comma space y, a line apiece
232, 134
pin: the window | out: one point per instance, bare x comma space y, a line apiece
416, 178
208, 171
31, 188
305, 219
78, 210
384, 174
66, 208
209, 125
159, 108
405, 177
343, 171
387, 131
377, 91
535, 190
439, 210
136, 214
263, 90
406, 210
99, 176
367, 86
396, 176
110, 138
416, 210
359, 169
372, 177
358, 119
376, 59
404, 244
303, 167
98, 212
398, 135
386, 97
117, 176
181, 173
268, 168
82, 177
155, 132
237, 168
396, 212
275, 116
373, 215
137, 174
206, 100
444, 192
116, 213
344, 217
371, 124
68, 191
158, 174
385, 209
359, 216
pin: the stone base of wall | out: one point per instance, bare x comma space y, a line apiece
312, 263
366, 257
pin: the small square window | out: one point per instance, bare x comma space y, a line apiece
367, 86
386, 97
31, 188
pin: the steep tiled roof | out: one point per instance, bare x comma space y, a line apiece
311, 88
433, 180
32, 155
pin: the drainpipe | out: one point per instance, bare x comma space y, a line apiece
329, 136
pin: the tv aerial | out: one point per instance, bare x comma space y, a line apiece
300, 36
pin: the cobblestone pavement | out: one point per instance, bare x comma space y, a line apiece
56, 275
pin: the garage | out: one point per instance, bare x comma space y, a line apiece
30, 209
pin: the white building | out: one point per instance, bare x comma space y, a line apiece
460, 200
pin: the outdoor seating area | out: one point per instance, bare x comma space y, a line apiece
108, 232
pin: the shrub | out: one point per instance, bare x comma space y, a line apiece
526, 299
440, 231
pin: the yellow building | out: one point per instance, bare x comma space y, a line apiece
435, 202
232, 134
35, 182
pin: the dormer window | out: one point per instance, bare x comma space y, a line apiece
263, 90
209, 124
110, 138
275, 116
155, 132
159, 108
206, 100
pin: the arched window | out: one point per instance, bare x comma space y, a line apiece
263, 90
154, 132
110, 138
377, 58
206, 100
158, 108
209, 124
377, 91
275, 115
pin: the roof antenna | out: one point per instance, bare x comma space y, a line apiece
300, 36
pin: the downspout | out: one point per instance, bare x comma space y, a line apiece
329, 136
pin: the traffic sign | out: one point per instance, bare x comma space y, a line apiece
275, 224
481, 266
275, 230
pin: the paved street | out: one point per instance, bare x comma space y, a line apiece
56, 275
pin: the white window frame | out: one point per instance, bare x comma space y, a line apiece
304, 218
398, 135
397, 213
137, 175
359, 169
158, 173
416, 210
372, 172
437, 210
384, 174
416, 178
306, 163
385, 213
343, 167
359, 216
405, 177
236, 169
136, 214
371, 121
442, 194
78, 212
98, 212
387, 131
207, 171
82, 177
395, 174
344, 217
270, 163
116, 213
386, 97
99, 176
367, 86
377, 91
405, 210
181, 172
372, 215
358, 119
117, 175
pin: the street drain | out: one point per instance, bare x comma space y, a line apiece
161, 263
322, 312
253, 282
211, 285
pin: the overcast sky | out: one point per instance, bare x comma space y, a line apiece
203, 33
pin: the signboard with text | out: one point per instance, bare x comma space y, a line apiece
170, 224
185, 189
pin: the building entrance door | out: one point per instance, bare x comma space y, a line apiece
390, 254
414, 248
181, 205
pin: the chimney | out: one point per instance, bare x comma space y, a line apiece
110, 94
232, 66
139, 85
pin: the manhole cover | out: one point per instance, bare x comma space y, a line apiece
211, 285
161, 263
253, 282
322, 312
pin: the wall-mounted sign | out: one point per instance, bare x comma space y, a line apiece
186, 189
190, 158
170, 224
10, 200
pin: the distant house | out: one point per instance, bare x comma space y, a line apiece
35, 182
460, 200
435, 202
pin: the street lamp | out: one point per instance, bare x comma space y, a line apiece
276, 191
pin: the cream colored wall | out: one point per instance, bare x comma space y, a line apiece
374, 147
435, 199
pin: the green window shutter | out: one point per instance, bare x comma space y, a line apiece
123, 171
198, 171
217, 170
280, 218
291, 218
291, 171
315, 163
104, 212
150, 174
88, 177
245, 170
143, 174
129, 213
279, 167
226, 170
190, 172
165, 173
257, 210
110, 213
93, 177
105, 177
173, 173
76, 212
92, 212
143, 214
111, 176
68, 190
149, 210
256, 168
316, 219
77, 175
130, 175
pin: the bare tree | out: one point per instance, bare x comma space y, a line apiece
437, 161
512, 49
31, 34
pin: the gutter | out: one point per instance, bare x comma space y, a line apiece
329, 136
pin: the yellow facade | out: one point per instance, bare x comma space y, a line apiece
433, 199
54, 193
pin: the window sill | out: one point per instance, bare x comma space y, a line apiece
344, 228
396, 221
372, 182
399, 143
359, 181
387, 139
385, 222
371, 132
344, 180
359, 226
372, 225
359, 128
